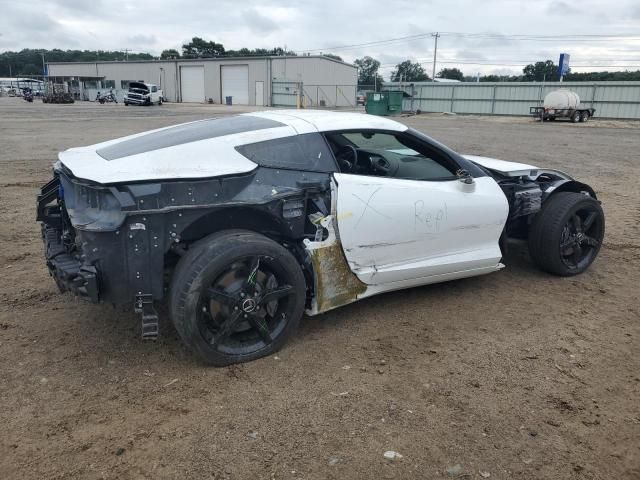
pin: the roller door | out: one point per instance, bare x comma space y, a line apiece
235, 83
192, 84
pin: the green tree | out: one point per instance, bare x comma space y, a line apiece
451, 73
331, 55
200, 48
490, 78
547, 71
170, 53
368, 71
408, 71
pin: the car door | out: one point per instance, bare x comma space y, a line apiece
395, 228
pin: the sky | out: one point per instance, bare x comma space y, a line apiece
478, 36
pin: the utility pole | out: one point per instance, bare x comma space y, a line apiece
435, 54
126, 54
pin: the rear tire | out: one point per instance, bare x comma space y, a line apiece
567, 233
584, 116
236, 296
575, 118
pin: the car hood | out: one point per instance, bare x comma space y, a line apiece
509, 169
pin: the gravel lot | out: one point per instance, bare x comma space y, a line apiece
516, 374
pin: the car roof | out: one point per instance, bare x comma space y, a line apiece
308, 121
206, 148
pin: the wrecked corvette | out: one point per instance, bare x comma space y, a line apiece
241, 224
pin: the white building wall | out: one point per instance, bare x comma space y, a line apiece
322, 79
312, 71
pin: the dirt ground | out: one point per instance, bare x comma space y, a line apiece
517, 374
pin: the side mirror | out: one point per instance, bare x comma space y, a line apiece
465, 177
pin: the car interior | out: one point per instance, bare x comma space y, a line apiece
388, 155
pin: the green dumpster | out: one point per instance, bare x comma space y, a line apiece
384, 103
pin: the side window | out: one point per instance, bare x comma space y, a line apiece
154, 89
386, 154
299, 152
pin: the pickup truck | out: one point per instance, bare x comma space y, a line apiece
141, 93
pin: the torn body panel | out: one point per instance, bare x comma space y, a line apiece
334, 282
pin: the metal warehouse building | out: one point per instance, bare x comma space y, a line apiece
260, 81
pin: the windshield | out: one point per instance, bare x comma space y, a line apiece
388, 143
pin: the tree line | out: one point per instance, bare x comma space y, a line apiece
409, 71
30, 62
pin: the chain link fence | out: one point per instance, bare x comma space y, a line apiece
296, 94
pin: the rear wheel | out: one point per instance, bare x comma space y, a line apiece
237, 296
575, 118
567, 233
584, 116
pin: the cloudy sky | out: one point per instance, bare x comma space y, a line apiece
498, 36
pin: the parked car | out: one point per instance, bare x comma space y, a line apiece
241, 224
361, 98
143, 94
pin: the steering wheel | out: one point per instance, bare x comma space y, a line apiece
343, 155
380, 164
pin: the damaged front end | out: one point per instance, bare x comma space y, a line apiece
79, 225
63, 260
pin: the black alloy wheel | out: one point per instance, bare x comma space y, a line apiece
236, 296
581, 237
245, 307
567, 233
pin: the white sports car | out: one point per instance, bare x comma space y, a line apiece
244, 223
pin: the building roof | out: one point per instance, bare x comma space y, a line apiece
208, 59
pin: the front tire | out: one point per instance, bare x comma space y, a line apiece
236, 296
575, 118
567, 233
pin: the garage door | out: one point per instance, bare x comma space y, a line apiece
235, 83
192, 84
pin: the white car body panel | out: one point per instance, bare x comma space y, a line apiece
326, 121
396, 230
201, 159
211, 157
509, 169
